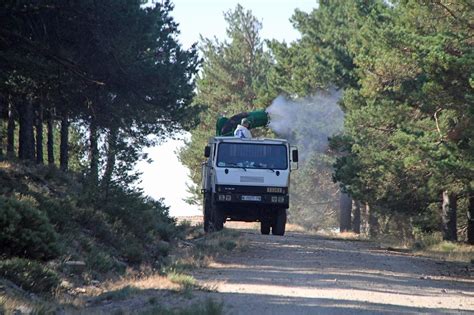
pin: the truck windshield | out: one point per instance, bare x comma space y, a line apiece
252, 155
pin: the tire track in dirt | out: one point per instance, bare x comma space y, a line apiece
306, 274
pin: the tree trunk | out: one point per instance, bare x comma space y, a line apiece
39, 135
1, 126
470, 219
111, 155
373, 222
448, 211
1, 137
64, 145
50, 143
93, 155
345, 213
356, 216
26, 144
11, 132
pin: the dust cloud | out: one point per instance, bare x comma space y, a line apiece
308, 122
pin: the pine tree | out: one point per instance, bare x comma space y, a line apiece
233, 80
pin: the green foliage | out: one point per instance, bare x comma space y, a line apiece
406, 71
100, 261
126, 231
29, 275
134, 252
233, 80
417, 98
136, 81
59, 211
25, 231
144, 217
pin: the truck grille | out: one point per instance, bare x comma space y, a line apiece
251, 179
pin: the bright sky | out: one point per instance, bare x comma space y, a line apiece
166, 177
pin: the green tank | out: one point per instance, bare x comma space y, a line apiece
226, 126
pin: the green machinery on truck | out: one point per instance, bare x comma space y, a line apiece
226, 126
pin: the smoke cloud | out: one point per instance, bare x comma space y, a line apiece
307, 123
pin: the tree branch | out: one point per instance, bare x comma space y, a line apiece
45, 52
435, 115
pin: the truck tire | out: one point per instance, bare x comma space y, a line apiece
279, 224
207, 212
217, 218
265, 227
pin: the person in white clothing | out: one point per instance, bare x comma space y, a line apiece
242, 131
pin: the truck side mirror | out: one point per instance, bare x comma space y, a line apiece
294, 155
207, 151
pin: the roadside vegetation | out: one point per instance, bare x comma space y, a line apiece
53, 241
92, 263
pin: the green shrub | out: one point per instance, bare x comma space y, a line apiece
144, 218
162, 249
97, 222
426, 240
102, 262
166, 230
25, 231
132, 250
228, 244
59, 211
29, 275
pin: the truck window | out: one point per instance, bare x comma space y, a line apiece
252, 155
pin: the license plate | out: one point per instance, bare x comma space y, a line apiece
252, 198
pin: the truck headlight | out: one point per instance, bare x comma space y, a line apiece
274, 199
281, 199
221, 197
228, 197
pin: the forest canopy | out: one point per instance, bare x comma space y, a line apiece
405, 70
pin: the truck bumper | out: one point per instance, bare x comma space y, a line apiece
254, 200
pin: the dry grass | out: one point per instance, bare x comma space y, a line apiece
430, 245
344, 236
293, 227
13, 305
201, 251
196, 252
15, 301
155, 281
449, 251
5, 165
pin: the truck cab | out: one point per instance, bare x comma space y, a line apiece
247, 180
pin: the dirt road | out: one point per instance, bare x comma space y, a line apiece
306, 274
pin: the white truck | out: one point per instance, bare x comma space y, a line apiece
247, 180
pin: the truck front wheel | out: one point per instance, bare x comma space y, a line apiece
279, 223
207, 213
265, 227
218, 218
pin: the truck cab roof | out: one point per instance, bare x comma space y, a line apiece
253, 140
